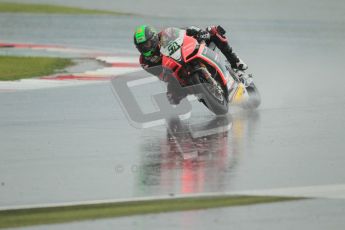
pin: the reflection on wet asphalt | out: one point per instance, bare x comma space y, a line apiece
191, 158
75, 143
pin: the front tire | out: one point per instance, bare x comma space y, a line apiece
212, 96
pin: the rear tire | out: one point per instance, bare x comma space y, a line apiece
254, 97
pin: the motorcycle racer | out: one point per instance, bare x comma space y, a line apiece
147, 41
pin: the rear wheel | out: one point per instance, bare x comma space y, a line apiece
211, 93
254, 97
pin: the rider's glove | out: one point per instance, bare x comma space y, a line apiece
192, 31
199, 34
213, 30
203, 36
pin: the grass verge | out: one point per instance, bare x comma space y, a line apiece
38, 216
9, 7
14, 68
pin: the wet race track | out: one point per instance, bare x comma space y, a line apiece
76, 144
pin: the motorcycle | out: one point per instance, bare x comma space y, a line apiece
207, 71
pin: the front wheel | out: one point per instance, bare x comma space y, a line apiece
211, 94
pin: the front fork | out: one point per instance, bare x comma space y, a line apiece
201, 68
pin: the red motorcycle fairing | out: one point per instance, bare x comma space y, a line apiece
170, 64
201, 55
189, 47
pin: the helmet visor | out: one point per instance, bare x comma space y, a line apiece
148, 47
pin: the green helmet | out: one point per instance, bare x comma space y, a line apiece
146, 40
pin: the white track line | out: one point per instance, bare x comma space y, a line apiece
320, 191
30, 84
116, 59
111, 71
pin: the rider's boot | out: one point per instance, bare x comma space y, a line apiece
235, 61
218, 37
